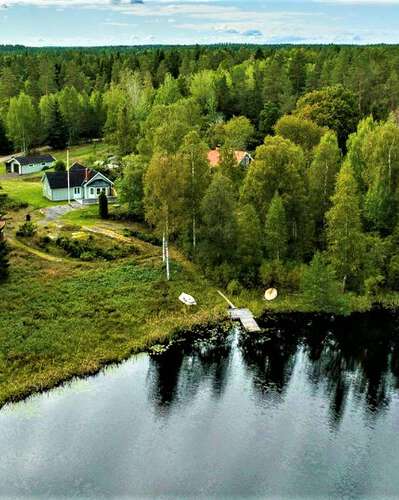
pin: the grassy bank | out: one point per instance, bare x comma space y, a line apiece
62, 320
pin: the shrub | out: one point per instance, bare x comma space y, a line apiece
286, 276
4, 264
148, 238
223, 274
27, 229
374, 285
103, 206
234, 288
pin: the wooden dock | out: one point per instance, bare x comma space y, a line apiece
245, 316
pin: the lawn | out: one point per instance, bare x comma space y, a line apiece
84, 152
62, 320
26, 190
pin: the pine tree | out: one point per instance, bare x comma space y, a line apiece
276, 233
344, 230
57, 136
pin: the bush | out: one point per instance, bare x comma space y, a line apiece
4, 264
393, 273
374, 285
27, 229
286, 276
103, 206
234, 288
223, 274
148, 238
88, 250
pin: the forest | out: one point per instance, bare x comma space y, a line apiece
316, 210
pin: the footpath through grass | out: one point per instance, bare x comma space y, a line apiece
58, 321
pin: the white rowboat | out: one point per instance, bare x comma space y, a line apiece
188, 300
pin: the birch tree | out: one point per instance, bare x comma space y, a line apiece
163, 198
195, 166
22, 122
344, 230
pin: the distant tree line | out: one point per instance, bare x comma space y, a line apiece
54, 96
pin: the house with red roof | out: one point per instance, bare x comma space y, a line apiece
243, 157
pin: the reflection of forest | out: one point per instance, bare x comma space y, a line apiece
176, 377
360, 353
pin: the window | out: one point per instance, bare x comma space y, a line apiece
98, 190
91, 190
77, 190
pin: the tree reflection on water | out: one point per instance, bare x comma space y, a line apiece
355, 357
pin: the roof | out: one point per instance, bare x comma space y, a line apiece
77, 166
77, 177
214, 156
28, 160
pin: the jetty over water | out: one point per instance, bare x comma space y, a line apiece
245, 316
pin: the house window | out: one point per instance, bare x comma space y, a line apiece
98, 190
77, 190
91, 190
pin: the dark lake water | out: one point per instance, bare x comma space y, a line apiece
313, 413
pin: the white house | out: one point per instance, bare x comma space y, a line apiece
22, 165
85, 185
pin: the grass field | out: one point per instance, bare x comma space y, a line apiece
26, 190
61, 320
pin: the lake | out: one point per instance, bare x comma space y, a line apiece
309, 410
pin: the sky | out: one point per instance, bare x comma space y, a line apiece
142, 22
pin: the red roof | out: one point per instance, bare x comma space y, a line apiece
214, 156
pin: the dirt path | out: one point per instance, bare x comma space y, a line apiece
18, 244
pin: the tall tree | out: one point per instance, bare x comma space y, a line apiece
276, 230
57, 135
332, 107
344, 229
22, 122
279, 166
131, 186
163, 198
219, 223
193, 155
238, 132
382, 177
304, 133
322, 176
250, 244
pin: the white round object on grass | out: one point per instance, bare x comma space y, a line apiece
271, 294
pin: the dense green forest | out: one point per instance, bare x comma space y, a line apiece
317, 208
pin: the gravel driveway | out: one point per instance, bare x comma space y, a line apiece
53, 213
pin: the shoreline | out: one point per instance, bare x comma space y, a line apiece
287, 321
